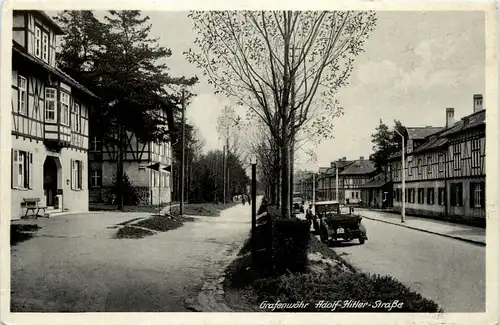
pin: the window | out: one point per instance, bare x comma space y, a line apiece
406, 195
352, 195
96, 178
430, 196
45, 47
421, 196
456, 156
456, 198
429, 164
95, 144
38, 41
441, 162
410, 169
420, 166
476, 153
477, 195
357, 195
64, 108
76, 174
22, 169
441, 196
50, 105
76, 117
411, 195
395, 194
21, 100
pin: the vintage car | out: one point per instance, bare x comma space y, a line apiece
298, 203
331, 224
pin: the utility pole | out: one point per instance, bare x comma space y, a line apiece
403, 176
183, 154
224, 174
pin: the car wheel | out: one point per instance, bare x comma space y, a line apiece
361, 240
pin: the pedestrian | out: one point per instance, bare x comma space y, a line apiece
263, 213
249, 200
243, 199
309, 215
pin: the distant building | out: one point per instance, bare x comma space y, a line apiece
352, 174
49, 121
445, 168
147, 166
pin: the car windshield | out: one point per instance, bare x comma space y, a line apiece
324, 208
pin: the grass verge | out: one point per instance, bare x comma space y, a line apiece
325, 289
20, 233
128, 208
148, 227
133, 233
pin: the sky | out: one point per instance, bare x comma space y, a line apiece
415, 65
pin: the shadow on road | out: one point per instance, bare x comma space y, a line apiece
343, 244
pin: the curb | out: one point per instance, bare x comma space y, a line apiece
470, 241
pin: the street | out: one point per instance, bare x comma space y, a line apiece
74, 265
449, 271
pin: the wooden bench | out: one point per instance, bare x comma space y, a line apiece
34, 204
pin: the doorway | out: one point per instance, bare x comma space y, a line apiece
50, 180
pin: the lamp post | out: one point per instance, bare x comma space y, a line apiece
403, 177
254, 205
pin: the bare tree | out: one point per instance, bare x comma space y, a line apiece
284, 66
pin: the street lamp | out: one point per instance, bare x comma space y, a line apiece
253, 161
403, 176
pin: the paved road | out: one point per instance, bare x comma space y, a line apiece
449, 271
74, 265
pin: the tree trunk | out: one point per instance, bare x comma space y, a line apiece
119, 170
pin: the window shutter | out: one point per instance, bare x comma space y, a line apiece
472, 195
26, 169
80, 174
30, 170
71, 173
483, 194
460, 194
13, 168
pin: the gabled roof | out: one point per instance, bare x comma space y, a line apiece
359, 167
431, 144
466, 123
55, 27
420, 133
16, 49
378, 181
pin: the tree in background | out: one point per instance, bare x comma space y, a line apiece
118, 61
385, 143
285, 67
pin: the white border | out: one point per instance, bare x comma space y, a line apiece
491, 102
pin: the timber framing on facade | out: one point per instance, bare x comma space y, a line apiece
445, 173
50, 121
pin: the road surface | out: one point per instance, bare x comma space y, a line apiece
74, 265
448, 271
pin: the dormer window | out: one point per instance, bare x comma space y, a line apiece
38, 42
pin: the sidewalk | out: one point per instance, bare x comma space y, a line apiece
475, 235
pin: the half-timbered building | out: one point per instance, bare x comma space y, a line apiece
352, 174
445, 175
147, 166
49, 121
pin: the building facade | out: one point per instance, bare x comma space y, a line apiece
445, 173
49, 121
352, 174
147, 166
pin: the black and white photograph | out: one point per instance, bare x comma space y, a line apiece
331, 163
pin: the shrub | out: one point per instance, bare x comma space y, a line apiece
130, 195
290, 239
375, 290
281, 243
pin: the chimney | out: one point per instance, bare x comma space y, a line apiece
478, 102
344, 158
450, 117
361, 157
